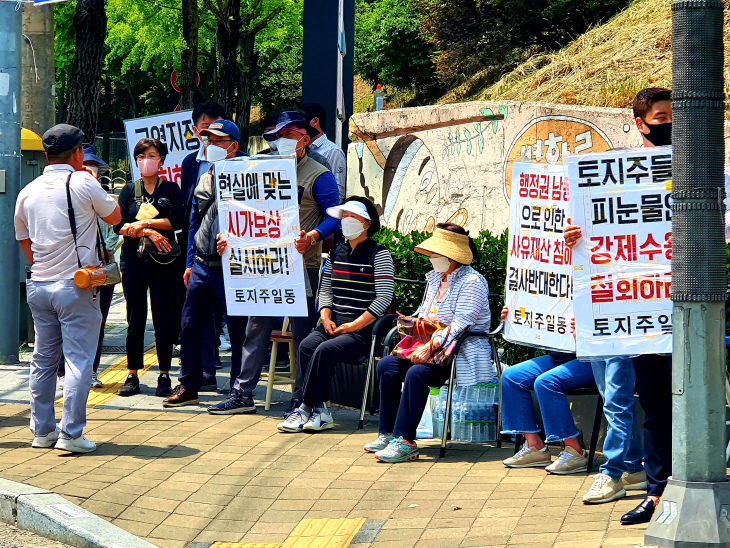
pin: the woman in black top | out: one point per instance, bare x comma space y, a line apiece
151, 207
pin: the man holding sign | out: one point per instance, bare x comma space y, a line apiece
317, 191
205, 286
653, 116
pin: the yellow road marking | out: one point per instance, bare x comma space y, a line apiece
311, 533
113, 378
324, 533
243, 545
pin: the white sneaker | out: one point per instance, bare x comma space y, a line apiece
225, 345
294, 422
47, 441
60, 383
79, 445
95, 382
321, 419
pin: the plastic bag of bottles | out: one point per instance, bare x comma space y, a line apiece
474, 413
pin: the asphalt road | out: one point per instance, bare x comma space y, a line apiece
12, 537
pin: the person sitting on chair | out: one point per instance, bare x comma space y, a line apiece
457, 296
357, 288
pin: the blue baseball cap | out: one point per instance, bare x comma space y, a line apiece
90, 155
291, 118
223, 128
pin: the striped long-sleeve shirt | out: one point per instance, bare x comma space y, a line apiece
465, 305
357, 281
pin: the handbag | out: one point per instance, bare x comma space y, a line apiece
148, 250
107, 272
415, 332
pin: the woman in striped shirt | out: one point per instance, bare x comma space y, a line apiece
357, 288
457, 296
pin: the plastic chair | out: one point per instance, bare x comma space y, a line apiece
273, 378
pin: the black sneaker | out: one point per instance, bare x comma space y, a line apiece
131, 386
210, 384
164, 386
293, 405
236, 404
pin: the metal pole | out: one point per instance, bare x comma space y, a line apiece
10, 112
39, 66
695, 508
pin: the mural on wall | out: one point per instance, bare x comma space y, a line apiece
436, 171
549, 139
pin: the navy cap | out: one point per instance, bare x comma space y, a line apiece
90, 155
291, 118
62, 138
223, 128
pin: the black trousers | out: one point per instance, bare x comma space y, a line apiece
654, 383
106, 294
401, 409
138, 277
319, 354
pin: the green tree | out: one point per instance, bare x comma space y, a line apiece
389, 47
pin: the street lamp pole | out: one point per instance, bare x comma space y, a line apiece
695, 508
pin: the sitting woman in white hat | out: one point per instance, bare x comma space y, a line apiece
357, 288
457, 296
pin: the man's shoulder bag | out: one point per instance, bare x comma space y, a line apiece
107, 271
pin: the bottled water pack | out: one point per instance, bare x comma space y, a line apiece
473, 414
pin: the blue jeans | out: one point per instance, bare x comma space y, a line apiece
622, 448
550, 382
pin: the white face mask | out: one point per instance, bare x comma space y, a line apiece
273, 145
287, 146
214, 153
351, 228
440, 264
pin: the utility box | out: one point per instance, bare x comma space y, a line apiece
33, 160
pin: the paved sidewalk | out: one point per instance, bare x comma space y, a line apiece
178, 476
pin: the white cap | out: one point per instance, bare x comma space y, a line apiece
353, 206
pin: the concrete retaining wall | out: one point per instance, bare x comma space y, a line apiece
433, 164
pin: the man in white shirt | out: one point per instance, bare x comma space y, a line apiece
322, 145
67, 319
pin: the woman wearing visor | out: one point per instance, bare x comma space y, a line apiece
457, 296
357, 288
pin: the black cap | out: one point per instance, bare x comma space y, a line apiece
62, 138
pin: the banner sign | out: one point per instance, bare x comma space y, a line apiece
258, 212
539, 286
622, 265
175, 129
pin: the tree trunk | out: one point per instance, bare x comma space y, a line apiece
227, 37
189, 62
245, 87
107, 119
85, 81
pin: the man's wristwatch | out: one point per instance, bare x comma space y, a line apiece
149, 223
312, 240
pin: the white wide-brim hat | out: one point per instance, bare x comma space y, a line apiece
353, 206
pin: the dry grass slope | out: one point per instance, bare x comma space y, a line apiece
605, 67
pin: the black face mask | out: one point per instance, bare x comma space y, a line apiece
659, 134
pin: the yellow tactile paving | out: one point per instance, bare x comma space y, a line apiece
113, 378
324, 533
243, 545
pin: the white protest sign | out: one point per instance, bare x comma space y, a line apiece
258, 212
622, 265
539, 287
175, 129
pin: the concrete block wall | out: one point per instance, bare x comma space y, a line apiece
426, 165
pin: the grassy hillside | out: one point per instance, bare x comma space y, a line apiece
604, 67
